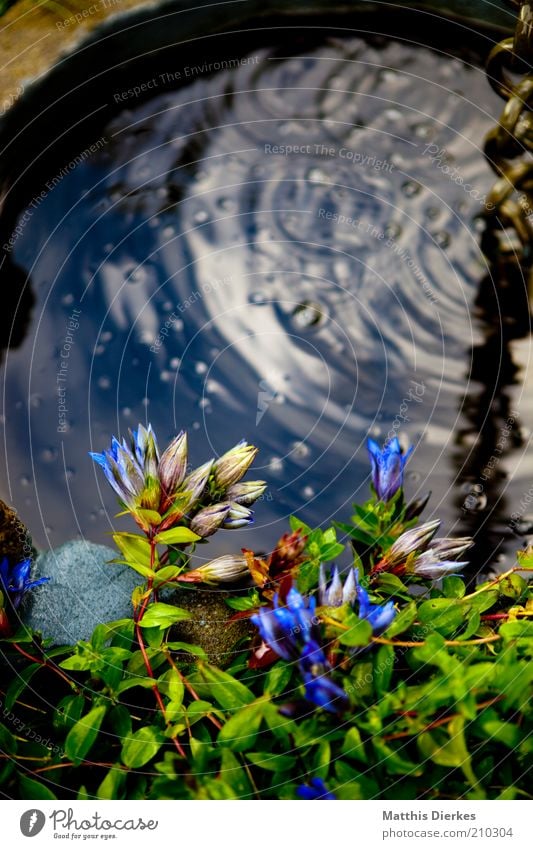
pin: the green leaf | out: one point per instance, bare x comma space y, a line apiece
513, 586
241, 603
517, 629
19, 683
240, 731
403, 621
113, 784
390, 584
78, 662
297, 525
82, 736
135, 548
441, 614
353, 746
67, 713
359, 633
32, 789
224, 688
308, 576
152, 517
160, 615
277, 678
190, 648
176, 536
167, 573
393, 761
172, 686
8, 744
383, 667
453, 587
142, 746
452, 752
233, 774
270, 762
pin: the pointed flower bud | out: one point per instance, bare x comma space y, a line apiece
246, 492
447, 547
210, 519
416, 507
387, 467
231, 467
430, 565
173, 464
416, 539
238, 517
336, 594
196, 483
224, 569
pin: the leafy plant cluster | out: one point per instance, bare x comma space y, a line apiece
379, 683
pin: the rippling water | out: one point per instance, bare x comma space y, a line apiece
281, 252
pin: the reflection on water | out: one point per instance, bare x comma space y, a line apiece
282, 252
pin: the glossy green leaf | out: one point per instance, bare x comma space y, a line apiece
142, 746
161, 615
83, 734
177, 536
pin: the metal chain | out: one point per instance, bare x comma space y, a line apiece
509, 147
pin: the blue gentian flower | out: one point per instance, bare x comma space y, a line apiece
292, 632
316, 789
287, 629
387, 467
320, 689
15, 580
380, 616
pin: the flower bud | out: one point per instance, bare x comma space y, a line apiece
173, 464
224, 569
210, 519
230, 468
246, 492
196, 483
413, 540
238, 517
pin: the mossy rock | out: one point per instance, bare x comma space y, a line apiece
209, 626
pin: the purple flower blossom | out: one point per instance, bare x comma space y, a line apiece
387, 467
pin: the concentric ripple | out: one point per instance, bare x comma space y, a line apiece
282, 252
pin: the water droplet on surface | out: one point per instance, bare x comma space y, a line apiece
48, 455
308, 314
257, 298
104, 382
168, 232
300, 450
308, 492
442, 238
200, 367
411, 188
175, 362
200, 217
275, 464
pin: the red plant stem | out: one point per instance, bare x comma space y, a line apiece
46, 664
191, 689
138, 630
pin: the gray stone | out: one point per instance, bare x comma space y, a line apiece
85, 589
